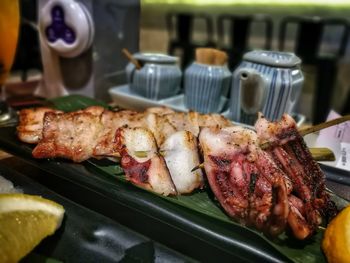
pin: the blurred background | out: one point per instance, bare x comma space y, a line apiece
316, 30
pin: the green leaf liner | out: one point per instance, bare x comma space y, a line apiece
297, 251
75, 102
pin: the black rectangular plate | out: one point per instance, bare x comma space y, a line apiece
196, 235
87, 236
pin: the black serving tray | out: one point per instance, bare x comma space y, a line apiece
86, 236
189, 229
191, 233
337, 175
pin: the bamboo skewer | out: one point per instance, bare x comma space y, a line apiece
199, 166
314, 128
131, 58
323, 125
318, 154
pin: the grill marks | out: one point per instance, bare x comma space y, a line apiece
95, 127
91, 132
237, 174
309, 202
230, 184
69, 136
135, 171
149, 170
274, 189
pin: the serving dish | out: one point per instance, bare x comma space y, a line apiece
192, 224
125, 98
88, 236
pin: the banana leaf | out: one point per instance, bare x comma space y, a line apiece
308, 251
75, 102
203, 202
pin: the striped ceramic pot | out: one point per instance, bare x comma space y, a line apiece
205, 85
158, 78
266, 81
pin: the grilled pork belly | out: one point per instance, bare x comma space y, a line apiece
30, 125
110, 122
162, 126
159, 110
142, 164
180, 151
69, 135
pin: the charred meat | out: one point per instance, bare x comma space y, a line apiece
273, 189
245, 181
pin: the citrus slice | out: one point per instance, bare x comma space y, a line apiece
336, 239
24, 221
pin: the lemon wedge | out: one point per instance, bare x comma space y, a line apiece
24, 221
336, 239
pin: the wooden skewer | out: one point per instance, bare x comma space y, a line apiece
199, 166
143, 154
323, 125
131, 58
318, 154
314, 128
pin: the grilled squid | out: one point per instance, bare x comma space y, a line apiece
180, 151
142, 164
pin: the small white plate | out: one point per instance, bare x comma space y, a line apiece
125, 98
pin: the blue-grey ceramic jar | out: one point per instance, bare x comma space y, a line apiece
158, 78
266, 81
205, 85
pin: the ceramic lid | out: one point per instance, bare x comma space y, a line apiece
273, 58
155, 57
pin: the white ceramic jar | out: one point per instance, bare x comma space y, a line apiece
206, 87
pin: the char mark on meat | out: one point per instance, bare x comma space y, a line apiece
31, 123
69, 135
141, 162
235, 168
279, 188
291, 154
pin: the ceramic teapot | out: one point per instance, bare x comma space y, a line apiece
266, 81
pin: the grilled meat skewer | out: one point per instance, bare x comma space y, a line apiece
91, 132
64, 134
272, 189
